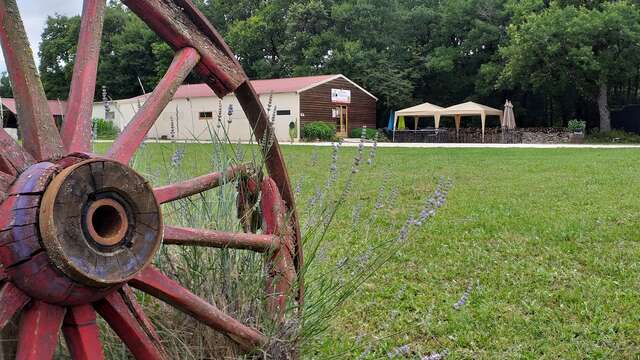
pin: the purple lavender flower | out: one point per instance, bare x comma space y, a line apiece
363, 259
374, 150
404, 231
172, 129
355, 213
393, 196
465, 297
298, 189
269, 102
366, 352
401, 351
273, 116
342, 262
358, 158
401, 291
436, 356
177, 157
381, 191
333, 169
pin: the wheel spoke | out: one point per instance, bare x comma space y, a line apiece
282, 271
5, 184
197, 185
13, 153
219, 239
81, 332
40, 135
76, 130
128, 142
39, 329
123, 314
180, 24
130, 299
259, 121
155, 283
12, 300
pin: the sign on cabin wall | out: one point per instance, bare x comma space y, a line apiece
341, 96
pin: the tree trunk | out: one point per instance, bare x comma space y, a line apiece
603, 108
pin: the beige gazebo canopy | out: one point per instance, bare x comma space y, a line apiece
422, 110
471, 109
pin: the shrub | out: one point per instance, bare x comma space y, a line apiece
105, 130
369, 133
613, 136
576, 125
318, 130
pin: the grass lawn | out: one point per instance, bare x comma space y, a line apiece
547, 237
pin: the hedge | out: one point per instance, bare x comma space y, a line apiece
105, 130
369, 133
318, 130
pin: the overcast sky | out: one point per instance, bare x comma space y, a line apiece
34, 15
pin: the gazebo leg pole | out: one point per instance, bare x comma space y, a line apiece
483, 118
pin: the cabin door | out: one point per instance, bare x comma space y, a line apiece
341, 113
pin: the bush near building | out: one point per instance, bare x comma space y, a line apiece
105, 130
369, 133
318, 130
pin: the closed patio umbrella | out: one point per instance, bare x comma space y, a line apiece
508, 119
508, 123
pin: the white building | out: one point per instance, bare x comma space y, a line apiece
193, 112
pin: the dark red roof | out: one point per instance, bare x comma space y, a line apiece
275, 86
56, 107
262, 86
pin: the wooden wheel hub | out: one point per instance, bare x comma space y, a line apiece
100, 222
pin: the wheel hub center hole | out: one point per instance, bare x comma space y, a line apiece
107, 222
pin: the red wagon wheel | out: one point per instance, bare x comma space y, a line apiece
77, 230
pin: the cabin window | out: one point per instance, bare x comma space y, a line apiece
283, 112
206, 115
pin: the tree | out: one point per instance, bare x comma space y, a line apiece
57, 50
464, 35
364, 44
557, 59
5, 86
564, 47
130, 54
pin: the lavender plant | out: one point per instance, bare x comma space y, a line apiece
330, 284
233, 280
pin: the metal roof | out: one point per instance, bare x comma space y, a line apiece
56, 107
269, 86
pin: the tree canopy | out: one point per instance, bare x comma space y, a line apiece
555, 59
5, 86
